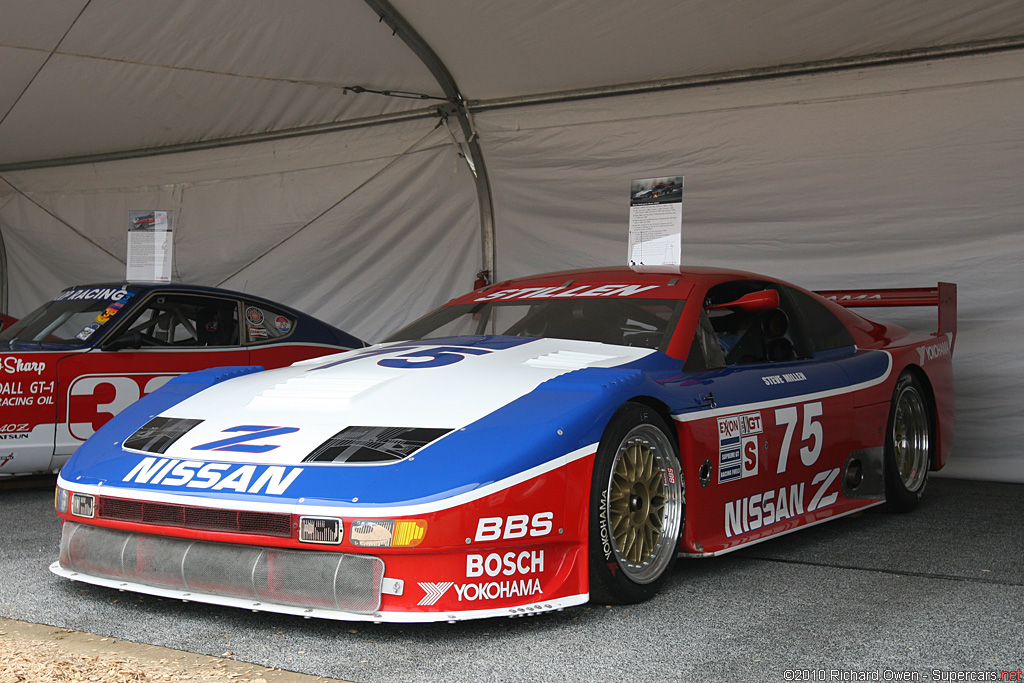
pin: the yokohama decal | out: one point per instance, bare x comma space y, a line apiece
434, 592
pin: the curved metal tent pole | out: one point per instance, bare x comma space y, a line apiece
457, 107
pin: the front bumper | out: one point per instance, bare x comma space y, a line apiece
344, 583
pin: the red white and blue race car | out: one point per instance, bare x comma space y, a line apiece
76, 361
526, 447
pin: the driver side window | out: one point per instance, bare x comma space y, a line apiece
186, 321
745, 336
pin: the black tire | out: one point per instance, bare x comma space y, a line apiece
637, 506
909, 444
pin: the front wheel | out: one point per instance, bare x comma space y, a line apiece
908, 444
637, 504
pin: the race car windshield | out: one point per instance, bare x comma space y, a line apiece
646, 323
73, 319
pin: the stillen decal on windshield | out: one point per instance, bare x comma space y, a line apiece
561, 292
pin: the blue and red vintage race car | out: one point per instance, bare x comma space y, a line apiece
526, 447
76, 361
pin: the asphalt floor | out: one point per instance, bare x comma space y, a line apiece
935, 594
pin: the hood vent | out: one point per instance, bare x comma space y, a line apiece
566, 360
315, 389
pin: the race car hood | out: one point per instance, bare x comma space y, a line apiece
435, 384
491, 408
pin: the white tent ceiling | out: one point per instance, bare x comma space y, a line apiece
862, 143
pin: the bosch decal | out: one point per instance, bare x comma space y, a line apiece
508, 564
737, 446
216, 476
4, 459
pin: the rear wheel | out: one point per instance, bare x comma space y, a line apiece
908, 444
637, 505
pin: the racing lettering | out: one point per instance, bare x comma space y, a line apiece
509, 564
271, 479
13, 365
621, 290
497, 590
763, 509
811, 431
773, 506
934, 351
93, 294
515, 526
819, 500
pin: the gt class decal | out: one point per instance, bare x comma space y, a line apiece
737, 446
216, 476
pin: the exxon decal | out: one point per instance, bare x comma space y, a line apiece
215, 476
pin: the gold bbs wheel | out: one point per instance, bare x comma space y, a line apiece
639, 505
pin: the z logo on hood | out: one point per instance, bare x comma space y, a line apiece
239, 444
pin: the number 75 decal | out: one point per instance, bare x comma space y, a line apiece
811, 431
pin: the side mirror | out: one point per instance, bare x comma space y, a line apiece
129, 340
755, 302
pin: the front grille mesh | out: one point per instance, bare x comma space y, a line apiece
301, 578
188, 517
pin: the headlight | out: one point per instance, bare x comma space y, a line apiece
157, 435
60, 500
83, 505
387, 533
328, 530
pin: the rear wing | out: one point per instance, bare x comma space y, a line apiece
942, 296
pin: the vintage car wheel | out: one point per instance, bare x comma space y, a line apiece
637, 507
908, 444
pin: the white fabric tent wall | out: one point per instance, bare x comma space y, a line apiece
888, 177
885, 176
367, 229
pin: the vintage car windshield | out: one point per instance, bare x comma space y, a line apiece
71, 320
627, 322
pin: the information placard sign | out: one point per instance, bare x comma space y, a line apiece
150, 246
655, 221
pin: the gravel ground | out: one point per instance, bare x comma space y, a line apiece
33, 653
935, 591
